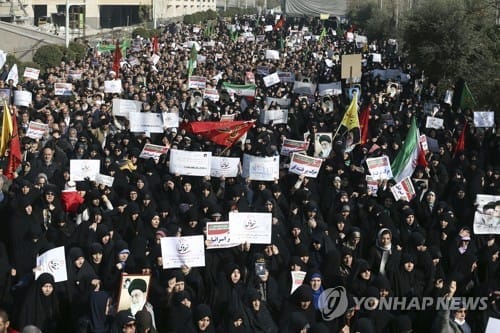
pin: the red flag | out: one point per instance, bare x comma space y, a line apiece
421, 160
15, 155
280, 23
363, 123
156, 45
461, 141
224, 133
117, 57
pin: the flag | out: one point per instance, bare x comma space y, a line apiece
351, 119
240, 89
156, 45
13, 75
322, 35
364, 123
6, 129
15, 155
461, 141
192, 60
117, 57
224, 133
407, 159
280, 23
466, 99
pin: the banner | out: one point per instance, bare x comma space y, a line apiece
22, 98
53, 262
254, 228
271, 79
484, 119
104, 180
433, 122
113, 86
152, 151
379, 167
31, 73
219, 236
224, 166
308, 166
290, 146
170, 119
145, 122
403, 190
274, 116
36, 130
63, 89
197, 82
183, 251
190, 163
487, 215
332, 88
122, 107
272, 54
81, 169
261, 168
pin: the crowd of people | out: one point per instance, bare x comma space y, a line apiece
333, 227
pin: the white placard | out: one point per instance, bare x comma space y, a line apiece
211, 94
63, 89
145, 122
261, 168
36, 130
170, 119
275, 116
281, 102
268, 28
183, 251
113, 86
487, 215
403, 190
271, 79
122, 107
53, 262
433, 122
308, 166
376, 57
224, 166
423, 143
332, 88
379, 167
104, 180
493, 325
304, 88
484, 119
254, 228
81, 169
155, 58
293, 146
297, 279
197, 82
31, 73
272, 54
190, 163
219, 236
22, 98
152, 151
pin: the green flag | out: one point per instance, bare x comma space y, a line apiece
192, 60
466, 99
406, 160
322, 35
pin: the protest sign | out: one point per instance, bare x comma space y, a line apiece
211, 94
190, 163
53, 262
372, 185
122, 107
36, 130
113, 86
170, 119
433, 122
104, 180
81, 169
274, 116
197, 82
31, 73
403, 190
219, 236
487, 215
379, 167
221, 166
22, 98
290, 146
297, 279
261, 168
271, 79
272, 54
351, 66
484, 119
183, 251
254, 228
152, 151
145, 122
308, 166
63, 89
332, 88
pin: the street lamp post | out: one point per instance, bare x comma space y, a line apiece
66, 28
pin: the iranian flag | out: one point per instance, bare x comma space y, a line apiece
240, 89
409, 156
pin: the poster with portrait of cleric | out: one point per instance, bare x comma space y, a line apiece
133, 292
487, 215
322, 145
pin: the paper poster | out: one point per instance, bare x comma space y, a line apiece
134, 289
403, 190
372, 185
261, 168
433, 122
53, 262
5, 96
262, 70
332, 88
271, 79
219, 236
81, 169
197, 82
63, 89
152, 151
190, 163
304, 88
122, 107
281, 102
36, 130
308, 166
227, 117
224, 166
249, 78
104, 180
22, 98
351, 66
290, 146
274, 116
170, 119
297, 279
379, 167
376, 57
254, 228
183, 251
31, 73
487, 215
484, 119
322, 144
493, 325
145, 122
211, 94
113, 86
272, 54
423, 143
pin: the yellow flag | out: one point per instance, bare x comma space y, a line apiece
351, 119
6, 129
